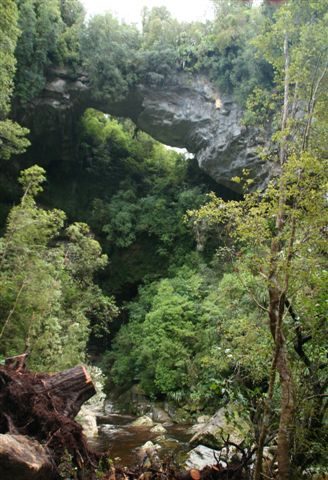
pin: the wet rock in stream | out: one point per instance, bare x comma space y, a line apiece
158, 429
144, 421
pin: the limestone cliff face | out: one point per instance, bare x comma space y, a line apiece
185, 112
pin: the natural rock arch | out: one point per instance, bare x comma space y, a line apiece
186, 112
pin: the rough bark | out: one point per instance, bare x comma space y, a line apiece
73, 386
265, 421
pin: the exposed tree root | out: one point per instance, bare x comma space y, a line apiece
43, 407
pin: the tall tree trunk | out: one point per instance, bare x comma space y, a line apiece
277, 297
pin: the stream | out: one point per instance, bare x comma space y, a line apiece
122, 440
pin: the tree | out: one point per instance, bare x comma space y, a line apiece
8, 38
41, 25
50, 35
227, 53
109, 49
12, 135
48, 295
73, 15
283, 229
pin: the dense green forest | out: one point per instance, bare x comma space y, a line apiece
127, 255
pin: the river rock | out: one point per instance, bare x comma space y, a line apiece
198, 427
148, 455
201, 457
225, 423
158, 429
87, 417
166, 443
160, 415
22, 458
203, 419
89, 425
150, 446
195, 429
143, 421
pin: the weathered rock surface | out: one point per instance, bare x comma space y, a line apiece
144, 421
203, 419
186, 112
225, 424
158, 429
201, 457
22, 458
160, 415
87, 417
148, 455
199, 426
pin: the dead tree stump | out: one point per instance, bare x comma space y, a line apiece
43, 407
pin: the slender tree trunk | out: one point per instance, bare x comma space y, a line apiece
266, 420
276, 311
286, 414
12, 311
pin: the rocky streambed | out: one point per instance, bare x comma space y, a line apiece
154, 437
127, 438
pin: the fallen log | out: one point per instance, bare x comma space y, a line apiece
42, 407
74, 387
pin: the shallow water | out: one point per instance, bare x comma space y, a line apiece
121, 440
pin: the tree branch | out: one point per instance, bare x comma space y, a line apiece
12, 311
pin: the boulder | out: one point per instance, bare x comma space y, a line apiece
158, 429
143, 421
148, 455
150, 446
167, 442
88, 419
203, 419
89, 425
160, 415
195, 428
225, 423
22, 458
201, 457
